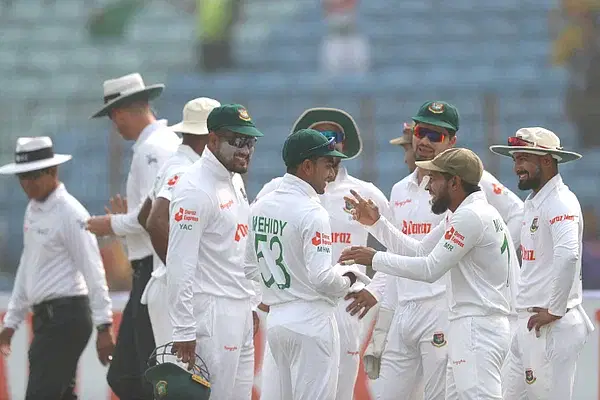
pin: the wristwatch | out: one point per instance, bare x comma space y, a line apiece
103, 327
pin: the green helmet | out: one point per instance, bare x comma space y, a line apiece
172, 381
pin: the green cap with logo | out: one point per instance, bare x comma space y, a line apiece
438, 113
457, 162
305, 144
234, 118
171, 382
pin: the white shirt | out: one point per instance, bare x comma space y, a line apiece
207, 239
474, 245
166, 179
60, 259
412, 211
551, 245
289, 247
154, 146
171, 171
346, 231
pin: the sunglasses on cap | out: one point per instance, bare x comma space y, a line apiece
515, 141
337, 136
330, 145
434, 136
239, 141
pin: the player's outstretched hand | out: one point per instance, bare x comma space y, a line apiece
186, 352
357, 255
540, 318
363, 302
363, 211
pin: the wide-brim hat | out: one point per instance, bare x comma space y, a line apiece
195, 116
32, 154
407, 135
536, 140
334, 116
126, 89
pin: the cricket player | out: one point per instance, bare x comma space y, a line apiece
60, 277
290, 247
154, 215
552, 325
415, 349
208, 292
127, 104
338, 125
474, 245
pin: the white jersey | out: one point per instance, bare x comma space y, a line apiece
207, 239
346, 231
474, 244
290, 246
171, 171
155, 145
412, 211
551, 244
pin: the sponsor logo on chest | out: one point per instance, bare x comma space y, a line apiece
415, 228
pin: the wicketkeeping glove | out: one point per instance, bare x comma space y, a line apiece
374, 350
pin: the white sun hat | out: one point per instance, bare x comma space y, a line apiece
128, 88
536, 140
32, 154
195, 115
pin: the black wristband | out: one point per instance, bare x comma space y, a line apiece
103, 327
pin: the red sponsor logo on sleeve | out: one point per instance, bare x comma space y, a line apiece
453, 236
186, 215
321, 239
497, 188
173, 180
527, 254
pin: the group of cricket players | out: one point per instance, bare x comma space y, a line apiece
478, 296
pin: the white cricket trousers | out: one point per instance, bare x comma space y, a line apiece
224, 340
155, 296
304, 341
350, 329
477, 349
544, 368
416, 352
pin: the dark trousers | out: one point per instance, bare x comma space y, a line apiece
135, 342
61, 329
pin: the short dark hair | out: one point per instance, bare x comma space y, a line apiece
468, 188
293, 169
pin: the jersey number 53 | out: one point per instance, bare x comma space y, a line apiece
273, 261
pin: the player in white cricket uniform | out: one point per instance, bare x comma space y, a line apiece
416, 350
154, 215
339, 125
290, 251
126, 103
552, 326
474, 244
208, 292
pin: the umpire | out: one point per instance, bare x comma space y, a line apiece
60, 276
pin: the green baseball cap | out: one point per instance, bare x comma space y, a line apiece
307, 143
234, 118
315, 116
171, 382
457, 162
438, 113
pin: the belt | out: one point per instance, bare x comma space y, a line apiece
48, 306
139, 263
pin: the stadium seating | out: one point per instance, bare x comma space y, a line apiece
460, 51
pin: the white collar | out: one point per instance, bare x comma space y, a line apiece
147, 131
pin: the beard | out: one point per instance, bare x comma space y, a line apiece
532, 182
441, 203
233, 158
